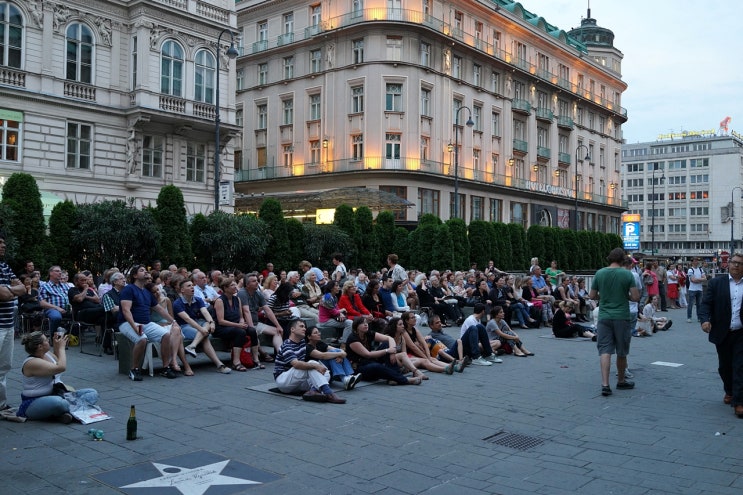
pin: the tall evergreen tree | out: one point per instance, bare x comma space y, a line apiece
461, 244
170, 215
198, 225
62, 224
480, 243
21, 194
384, 230
344, 220
278, 239
295, 234
367, 247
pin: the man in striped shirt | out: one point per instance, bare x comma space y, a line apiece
53, 298
293, 374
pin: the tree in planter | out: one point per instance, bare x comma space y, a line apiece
170, 215
62, 225
422, 241
384, 230
295, 234
113, 233
401, 246
461, 244
198, 224
367, 247
233, 240
519, 256
22, 196
480, 243
443, 248
572, 247
321, 241
344, 220
501, 241
278, 239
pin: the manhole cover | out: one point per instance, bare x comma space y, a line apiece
514, 440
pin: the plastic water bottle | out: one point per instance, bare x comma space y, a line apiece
95, 434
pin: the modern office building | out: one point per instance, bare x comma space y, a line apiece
113, 100
477, 109
687, 189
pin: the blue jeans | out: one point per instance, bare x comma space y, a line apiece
522, 314
55, 318
693, 296
53, 406
338, 370
475, 335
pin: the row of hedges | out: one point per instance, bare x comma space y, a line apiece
114, 233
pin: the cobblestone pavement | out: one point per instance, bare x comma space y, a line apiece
671, 434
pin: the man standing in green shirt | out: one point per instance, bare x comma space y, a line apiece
614, 288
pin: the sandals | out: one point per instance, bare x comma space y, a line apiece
414, 380
188, 373
267, 358
239, 367
224, 370
258, 366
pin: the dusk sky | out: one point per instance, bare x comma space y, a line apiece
682, 59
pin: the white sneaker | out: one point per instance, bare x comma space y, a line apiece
493, 359
481, 362
688, 320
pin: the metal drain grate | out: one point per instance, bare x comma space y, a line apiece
514, 440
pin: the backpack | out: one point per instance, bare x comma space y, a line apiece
246, 358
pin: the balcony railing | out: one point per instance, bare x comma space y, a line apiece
12, 77
565, 122
523, 105
544, 152
520, 145
545, 114
563, 157
426, 167
79, 90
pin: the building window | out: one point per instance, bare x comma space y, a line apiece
239, 117
357, 146
456, 67
315, 107
262, 74
152, 156
477, 208
495, 124
425, 148
476, 159
462, 205
288, 155
402, 193
134, 62
496, 210
494, 82
477, 117
9, 139
392, 146
394, 48
79, 138
315, 15
393, 100
428, 201
79, 53
357, 99
518, 213
288, 67
195, 162
240, 79
171, 69
315, 61
204, 77
288, 28
315, 151
425, 54
261, 155
476, 75
288, 111
11, 36
263, 31
425, 102
358, 51
357, 8
262, 116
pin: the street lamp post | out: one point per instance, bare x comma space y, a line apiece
469, 123
652, 223
231, 53
578, 159
732, 220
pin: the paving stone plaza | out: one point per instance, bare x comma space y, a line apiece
533, 425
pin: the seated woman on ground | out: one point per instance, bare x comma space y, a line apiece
351, 302
449, 304
231, 325
583, 307
399, 299
375, 364
42, 372
507, 337
517, 304
648, 323
333, 358
176, 336
564, 328
415, 345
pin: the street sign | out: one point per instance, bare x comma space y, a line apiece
631, 231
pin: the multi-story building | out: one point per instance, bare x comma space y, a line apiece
376, 94
113, 100
687, 188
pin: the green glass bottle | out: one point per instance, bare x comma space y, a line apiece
131, 425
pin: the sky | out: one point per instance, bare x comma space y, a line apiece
682, 59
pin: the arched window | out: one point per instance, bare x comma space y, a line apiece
11, 35
171, 69
80, 46
204, 77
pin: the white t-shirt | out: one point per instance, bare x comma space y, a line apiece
695, 273
470, 321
